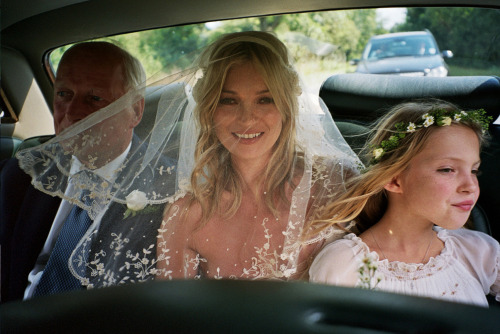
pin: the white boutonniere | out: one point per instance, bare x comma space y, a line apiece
137, 201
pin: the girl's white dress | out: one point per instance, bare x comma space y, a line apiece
467, 269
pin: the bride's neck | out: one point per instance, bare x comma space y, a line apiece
252, 175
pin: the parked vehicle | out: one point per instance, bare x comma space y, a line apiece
413, 53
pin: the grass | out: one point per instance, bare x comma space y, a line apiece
315, 72
468, 71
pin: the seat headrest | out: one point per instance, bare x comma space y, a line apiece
171, 93
364, 97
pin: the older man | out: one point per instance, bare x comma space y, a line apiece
90, 77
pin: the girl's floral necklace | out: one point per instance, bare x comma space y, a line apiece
385, 257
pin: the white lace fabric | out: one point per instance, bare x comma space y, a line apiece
467, 269
148, 167
252, 244
140, 231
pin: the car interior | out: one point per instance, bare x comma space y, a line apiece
228, 306
32, 29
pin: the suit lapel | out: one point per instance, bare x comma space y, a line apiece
137, 233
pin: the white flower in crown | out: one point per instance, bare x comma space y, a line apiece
377, 153
199, 74
429, 120
411, 127
446, 121
136, 200
457, 117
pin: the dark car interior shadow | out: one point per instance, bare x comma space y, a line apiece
230, 306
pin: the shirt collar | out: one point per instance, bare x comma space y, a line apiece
108, 171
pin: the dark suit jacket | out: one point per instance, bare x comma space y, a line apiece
26, 216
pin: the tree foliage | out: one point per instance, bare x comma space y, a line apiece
331, 36
472, 34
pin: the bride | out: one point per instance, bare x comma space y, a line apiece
263, 165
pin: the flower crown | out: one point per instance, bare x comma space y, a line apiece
439, 117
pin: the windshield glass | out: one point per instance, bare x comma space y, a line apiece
401, 46
324, 43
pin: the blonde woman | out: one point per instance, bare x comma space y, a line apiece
267, 157
410, 206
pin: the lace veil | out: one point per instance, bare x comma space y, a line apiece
140, 198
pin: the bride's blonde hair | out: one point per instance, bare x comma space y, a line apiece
365, 200
213, 173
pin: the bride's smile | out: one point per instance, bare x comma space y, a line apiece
247, 121
248, 135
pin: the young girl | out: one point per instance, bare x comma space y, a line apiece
410, 205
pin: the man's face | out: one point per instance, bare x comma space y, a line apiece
86, 82
83, 86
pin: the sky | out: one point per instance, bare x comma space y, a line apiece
391, 16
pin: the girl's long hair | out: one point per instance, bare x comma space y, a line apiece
365, 200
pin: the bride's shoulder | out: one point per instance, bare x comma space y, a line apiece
184, 207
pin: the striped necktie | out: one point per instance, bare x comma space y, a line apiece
56, 276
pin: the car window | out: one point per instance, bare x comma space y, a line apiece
404, 46
325, 43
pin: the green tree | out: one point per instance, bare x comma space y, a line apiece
167, 48
366, 22
332, 36
471, 33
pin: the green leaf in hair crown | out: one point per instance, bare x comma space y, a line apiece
439, 117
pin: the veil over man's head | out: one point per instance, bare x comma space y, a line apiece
174, 132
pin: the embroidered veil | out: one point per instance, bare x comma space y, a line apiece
141, 229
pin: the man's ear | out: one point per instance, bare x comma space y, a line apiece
138, 111
394, 185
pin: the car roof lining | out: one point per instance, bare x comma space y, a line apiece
167, 13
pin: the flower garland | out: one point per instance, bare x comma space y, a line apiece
437, 117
